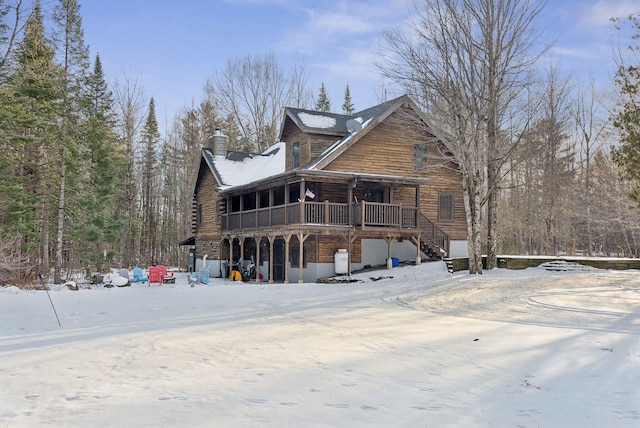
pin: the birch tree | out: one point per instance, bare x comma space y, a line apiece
467, 62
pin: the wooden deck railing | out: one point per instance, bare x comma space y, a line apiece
364, 214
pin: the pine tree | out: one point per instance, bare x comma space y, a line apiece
323, 104
347, 106
150, 141
627, 119
102, 171
36, 93
74, 62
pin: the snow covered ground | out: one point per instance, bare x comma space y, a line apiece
412, 347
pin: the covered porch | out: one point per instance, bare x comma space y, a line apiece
286, 223
333, 200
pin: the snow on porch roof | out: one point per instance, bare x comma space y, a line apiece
234, 170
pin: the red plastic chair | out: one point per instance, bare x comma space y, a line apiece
155, 275
167, 278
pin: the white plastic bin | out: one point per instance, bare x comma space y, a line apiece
341, 259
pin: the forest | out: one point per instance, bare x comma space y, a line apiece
89, 181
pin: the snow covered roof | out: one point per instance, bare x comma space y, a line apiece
333, 123
238, 168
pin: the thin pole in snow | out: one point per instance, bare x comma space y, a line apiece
48, 295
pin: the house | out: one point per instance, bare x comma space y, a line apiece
336, 194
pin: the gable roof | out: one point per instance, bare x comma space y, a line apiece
239, 168
369, 118
316, 122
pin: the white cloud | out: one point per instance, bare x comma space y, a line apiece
600, 13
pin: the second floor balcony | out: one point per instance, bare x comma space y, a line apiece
332, 214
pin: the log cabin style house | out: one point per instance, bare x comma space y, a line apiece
337, 193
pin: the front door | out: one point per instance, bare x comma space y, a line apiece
278, 260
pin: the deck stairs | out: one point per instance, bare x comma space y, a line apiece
434, 242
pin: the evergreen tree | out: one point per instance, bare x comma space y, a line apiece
627, 119
35, 93
102, 171
347, 106
150, 141
323, 104
73, 54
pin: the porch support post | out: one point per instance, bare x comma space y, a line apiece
301, 238
258, 240
270, 206
241, 211
416, 242
220, 255
418, 210
231, 238
349, 253
241, 258
287, 238
286, 203
351, 185
389, 240
271, 239
302, 198
257, 208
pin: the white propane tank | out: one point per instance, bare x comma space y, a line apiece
341, 259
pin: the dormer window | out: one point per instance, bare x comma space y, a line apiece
295, 161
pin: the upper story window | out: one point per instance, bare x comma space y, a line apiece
420, 157
445, 206
199, 218
295, 162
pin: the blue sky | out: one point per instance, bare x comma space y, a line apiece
175, 46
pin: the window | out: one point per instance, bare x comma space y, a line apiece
295, 162
294, 257
445, 206
420, 156
375, 195
199, 214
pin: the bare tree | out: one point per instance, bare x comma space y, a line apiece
467, 62
253, 91
130, 101
12, 22
592, 131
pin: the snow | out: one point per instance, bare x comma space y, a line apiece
410, 346
317, 120
235, 173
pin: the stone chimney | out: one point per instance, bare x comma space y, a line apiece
218, 142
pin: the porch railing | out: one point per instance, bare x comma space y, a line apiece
364, 214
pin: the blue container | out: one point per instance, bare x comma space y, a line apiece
395, 262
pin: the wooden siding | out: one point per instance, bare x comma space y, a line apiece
310, 248
388, 149
328, 246
311, 145
207, 233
